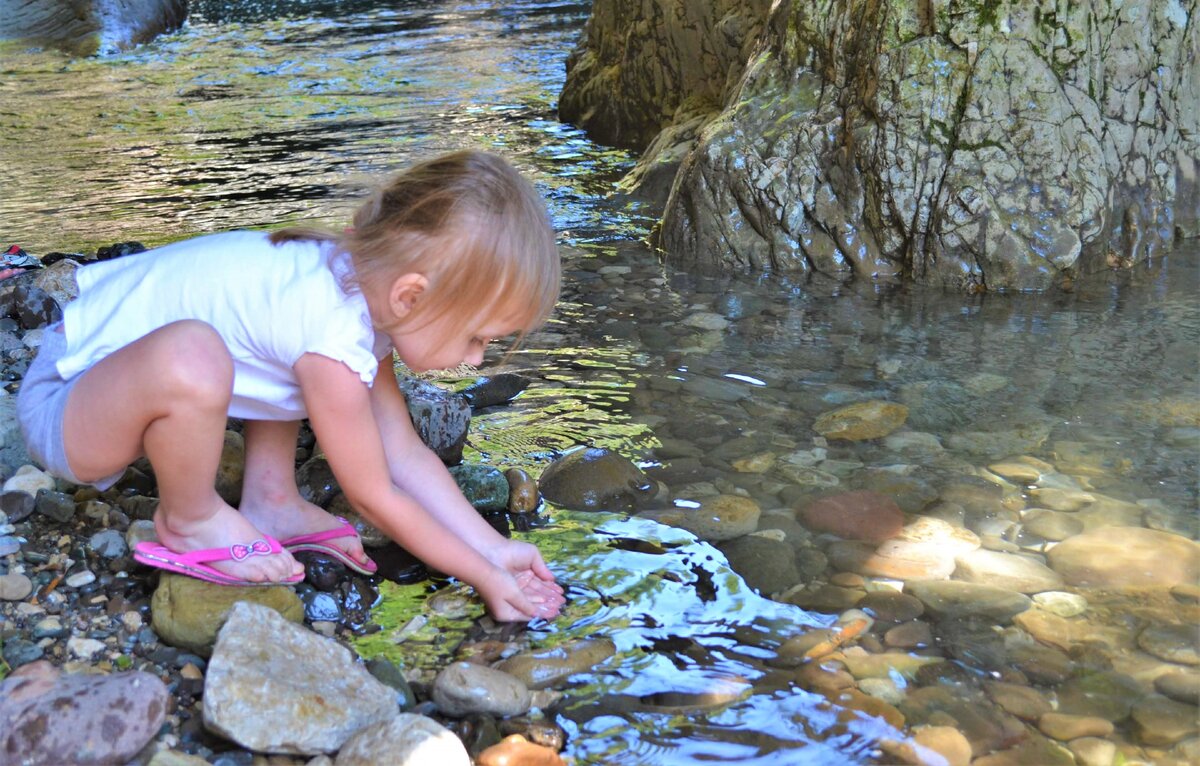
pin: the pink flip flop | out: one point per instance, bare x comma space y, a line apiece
314, 542
195, 563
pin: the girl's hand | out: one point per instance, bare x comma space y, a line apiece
523, 563
510, 598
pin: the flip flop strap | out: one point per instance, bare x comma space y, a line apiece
263, 546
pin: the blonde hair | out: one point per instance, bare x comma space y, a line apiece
470, 224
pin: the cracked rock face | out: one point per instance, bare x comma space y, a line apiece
998, 145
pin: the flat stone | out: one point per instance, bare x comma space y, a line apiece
405, 740
859, 515
1093, 751
958, 599
946, 741
1100, 693
1173, 643
909, 635
1181, 686
1162, 722
1022, 574
893, 560
719, 518
1060, 499
463, 688
768, 566
1052, 525
15, 587
891, 606
595, 479
1016, 470
863, 665
550, 667
1064, 727
1021, 701
273, 686
85, 720
109, 544
862, 420
1126, 557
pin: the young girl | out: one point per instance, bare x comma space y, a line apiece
162, 346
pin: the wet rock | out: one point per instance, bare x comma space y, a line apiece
403, 739
463, 688
15, 587
1019, 470
863, 665
895, 560
1064, 727
1023, 574
1035, 750
52, 719
891, 606
1043, 665
1162, 722
946, 741
1117, 557
823, 597
188, 613
1060, 603
1023, 702
1180, 686
231, 468
958, 599
276, 687
719, 518
862, 420
909, 635
1092, 751
18, 651
550, 667
16, 504
484, 486
595, 479
1060, 499
523, 494
316, 481
387, 673
1173, 643
1103, 694
495, 389
441, 418
859, 515
767, 566
515, 750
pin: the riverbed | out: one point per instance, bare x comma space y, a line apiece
278, 112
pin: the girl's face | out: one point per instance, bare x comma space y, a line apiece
449, 341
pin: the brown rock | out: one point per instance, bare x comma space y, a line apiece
1064, 727
1126, 557
859, 515
862, 420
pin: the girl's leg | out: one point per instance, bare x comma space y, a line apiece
270, 498
166, 396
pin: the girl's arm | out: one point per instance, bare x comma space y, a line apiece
415, 468
340, 411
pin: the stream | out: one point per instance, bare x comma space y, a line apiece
265, 114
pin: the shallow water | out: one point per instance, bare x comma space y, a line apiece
277, 112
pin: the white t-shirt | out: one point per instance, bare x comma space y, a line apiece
270, 303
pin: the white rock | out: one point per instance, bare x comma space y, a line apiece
29, 480
84, 648
276, 687
405, 740
79, 579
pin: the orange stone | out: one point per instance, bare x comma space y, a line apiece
515, 750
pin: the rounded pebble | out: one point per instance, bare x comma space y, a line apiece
15, 587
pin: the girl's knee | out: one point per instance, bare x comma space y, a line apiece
194, 359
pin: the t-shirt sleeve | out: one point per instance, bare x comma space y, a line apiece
345, 335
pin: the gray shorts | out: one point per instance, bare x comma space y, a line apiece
41, 404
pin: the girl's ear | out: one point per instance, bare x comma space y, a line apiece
405, 292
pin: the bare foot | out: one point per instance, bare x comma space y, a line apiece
226, 527
288, 516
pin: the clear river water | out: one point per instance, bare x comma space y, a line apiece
264, 114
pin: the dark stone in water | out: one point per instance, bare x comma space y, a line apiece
321, 607
320, 571
496, 389
316, 482
18, 652
388, 674
398, 565
595, 479
56, 505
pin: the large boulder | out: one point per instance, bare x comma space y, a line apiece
86, 27
991, 145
